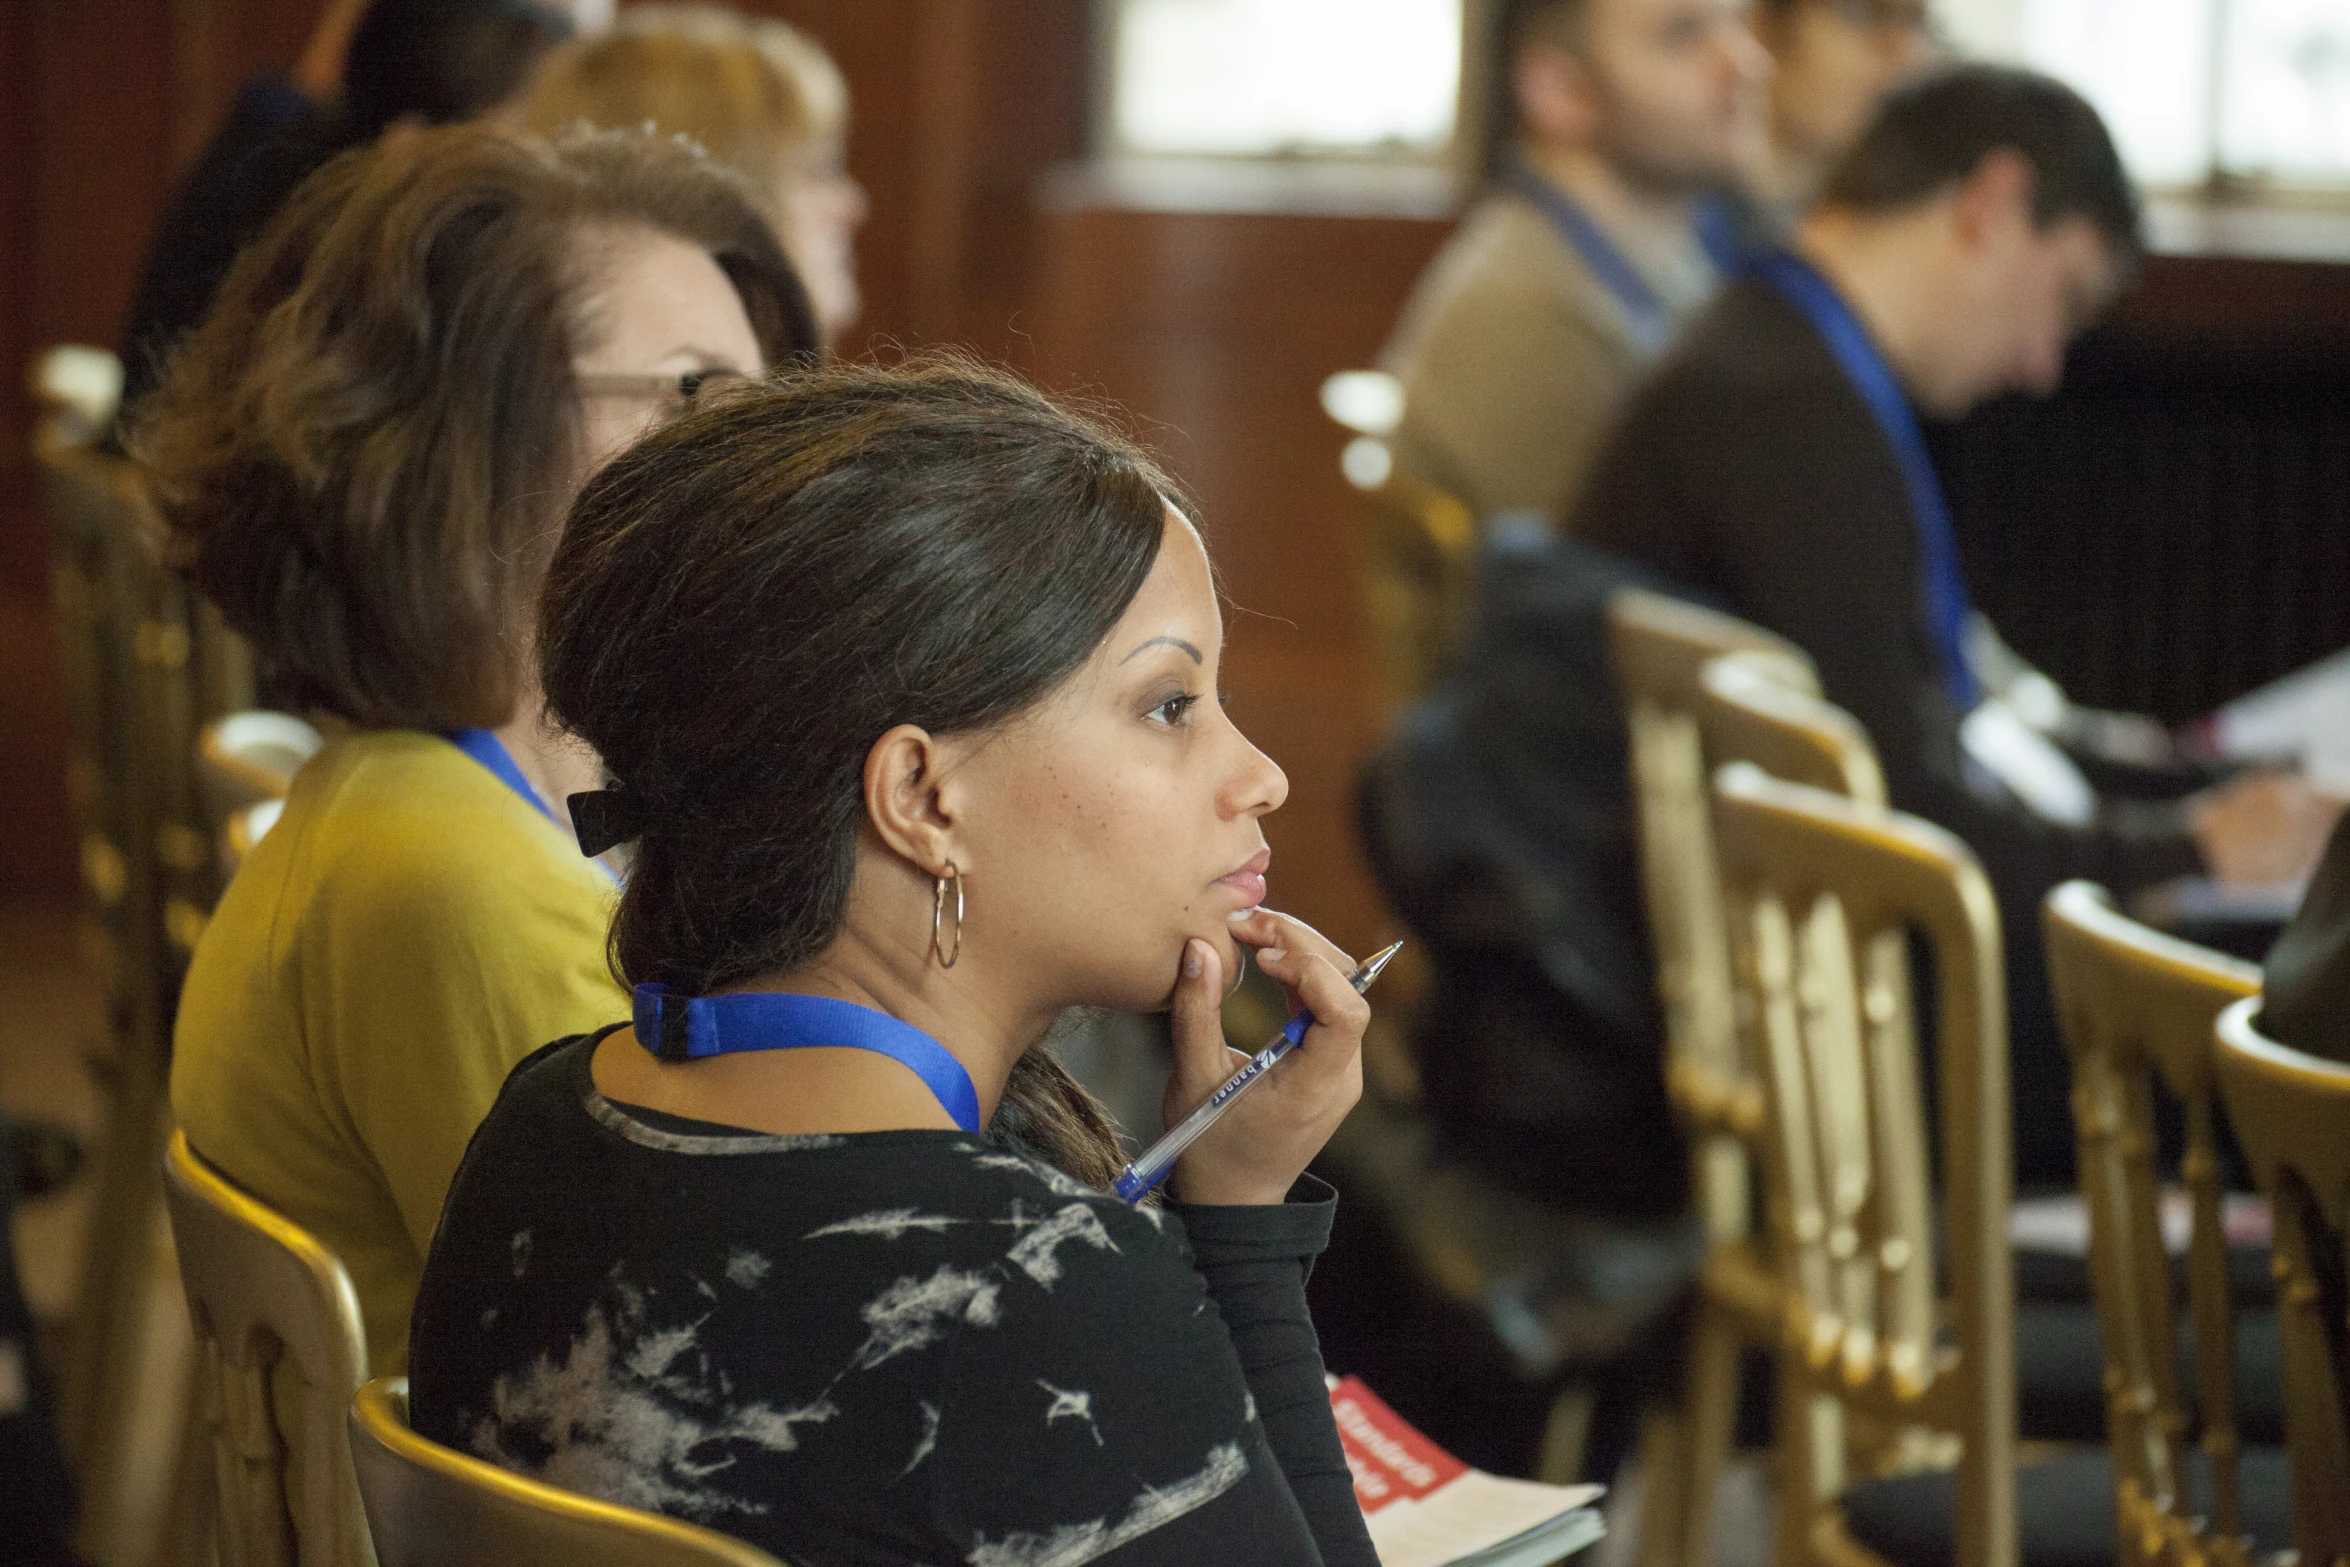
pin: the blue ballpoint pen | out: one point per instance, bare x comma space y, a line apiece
1155, 1161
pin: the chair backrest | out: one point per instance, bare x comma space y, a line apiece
431, 1506
245, 764
2292, 1114
1660, 647
247, 757
1821, 894
1420, 559
278, 1329
2136, 1008
1749, 711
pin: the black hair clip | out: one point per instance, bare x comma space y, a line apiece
604, 818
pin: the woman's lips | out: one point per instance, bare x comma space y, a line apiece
1249, 880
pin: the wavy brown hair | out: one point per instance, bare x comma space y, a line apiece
746, 600
365, 451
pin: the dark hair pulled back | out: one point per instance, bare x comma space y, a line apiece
750, 597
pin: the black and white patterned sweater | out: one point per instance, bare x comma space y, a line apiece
882, 1347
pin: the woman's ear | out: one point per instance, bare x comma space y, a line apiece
904, 798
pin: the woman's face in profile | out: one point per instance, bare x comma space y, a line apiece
1121, 817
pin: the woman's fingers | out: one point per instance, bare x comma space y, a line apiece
1319, 985
1197, 1017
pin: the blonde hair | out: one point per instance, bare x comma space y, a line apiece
756, 93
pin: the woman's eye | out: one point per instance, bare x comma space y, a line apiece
1173, 710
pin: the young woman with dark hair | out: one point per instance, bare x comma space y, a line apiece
906, 680
364, 457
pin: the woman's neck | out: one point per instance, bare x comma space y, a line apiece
556, 765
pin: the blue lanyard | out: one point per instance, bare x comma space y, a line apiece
486, 748
1652, 324
691, 1028
1947, 608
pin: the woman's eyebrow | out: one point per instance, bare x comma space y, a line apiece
1196, 656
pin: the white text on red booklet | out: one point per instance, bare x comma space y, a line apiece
1391, 1461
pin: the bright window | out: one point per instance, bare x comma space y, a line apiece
2251, 89
1263, 78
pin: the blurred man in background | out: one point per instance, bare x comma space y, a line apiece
1775, 465
1573, 274
367, 68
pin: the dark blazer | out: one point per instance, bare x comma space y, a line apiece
1751, 470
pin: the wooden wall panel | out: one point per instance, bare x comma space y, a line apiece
1215, 331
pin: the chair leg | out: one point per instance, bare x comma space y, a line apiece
1712, 1421
1566, 1435
1665, 1501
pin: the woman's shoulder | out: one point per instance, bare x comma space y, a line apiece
406, 823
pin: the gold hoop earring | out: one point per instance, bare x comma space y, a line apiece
938, 913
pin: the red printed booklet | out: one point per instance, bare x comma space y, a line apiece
1428, 1509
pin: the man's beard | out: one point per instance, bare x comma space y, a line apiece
1664, 172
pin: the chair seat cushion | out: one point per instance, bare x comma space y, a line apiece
2064, 1509
2060, 1374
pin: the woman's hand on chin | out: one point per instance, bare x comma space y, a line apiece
1264, 1142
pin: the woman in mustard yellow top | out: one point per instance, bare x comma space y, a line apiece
364, 456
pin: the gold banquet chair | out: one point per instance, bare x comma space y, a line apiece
121, 1402
1421, 543
432, 1506
279, 1331
1660, 647
2291, 1112
2137, 1008
1820, 893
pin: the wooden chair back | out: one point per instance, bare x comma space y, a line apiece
1822, 894
1661, 647
431, 1506
1420, 542
2136, 1008
282, 1350
1747, 710
2291, 1112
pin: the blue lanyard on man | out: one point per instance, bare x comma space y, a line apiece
1652, 323
1947, 607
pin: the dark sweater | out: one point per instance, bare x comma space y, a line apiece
880, 1347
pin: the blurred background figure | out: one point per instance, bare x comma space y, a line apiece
1775, 466
1572, 274
368, 67
1832, 61
759, 95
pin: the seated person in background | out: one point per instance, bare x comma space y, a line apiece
1775, 465
367, 67
889, 810
759, 95
363, 457
1832, 62
1570, 277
